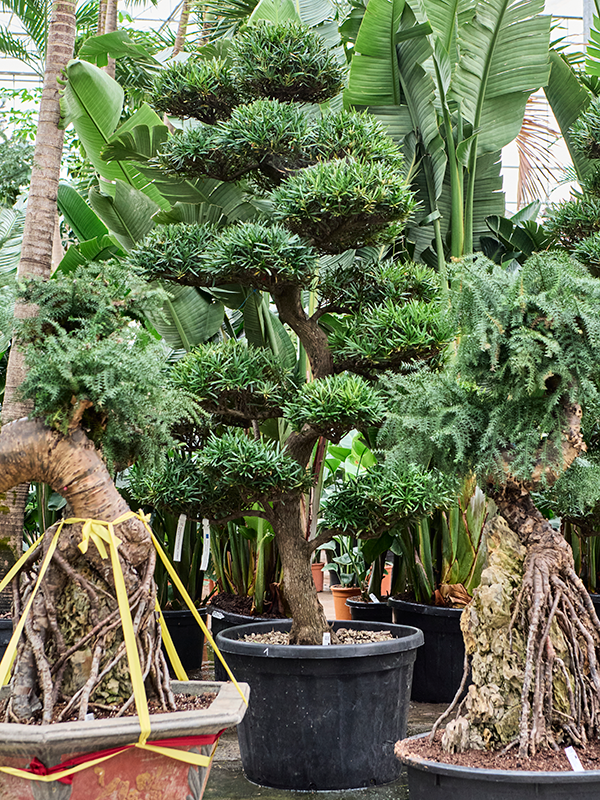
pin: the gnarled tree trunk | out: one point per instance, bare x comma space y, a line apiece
72, 651
38, 234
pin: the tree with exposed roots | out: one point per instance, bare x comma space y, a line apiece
518, 405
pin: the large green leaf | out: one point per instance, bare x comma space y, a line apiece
93, 102
503, 59
444, 17
374, 78
192, 214
275, 11
568, 100
84, 223
98, 49
189, 317
99, 249
128, 215
12, 221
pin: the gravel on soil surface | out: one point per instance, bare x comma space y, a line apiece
341, 636
183, 702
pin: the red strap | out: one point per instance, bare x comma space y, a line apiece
37, 768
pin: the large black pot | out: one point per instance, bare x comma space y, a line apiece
440, 662
187, 636
223, 620
430, 780
369, 612
322, 717
6, 630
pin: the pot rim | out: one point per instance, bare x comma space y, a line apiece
227, 709
423, 608
497, 775
408, 638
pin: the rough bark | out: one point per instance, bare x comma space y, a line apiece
38, 233
531, 633
73, 650
312, 336
110, 25
182, 28
309, 623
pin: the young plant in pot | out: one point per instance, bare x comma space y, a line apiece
102, 400
516, 407
331, 186
437, 565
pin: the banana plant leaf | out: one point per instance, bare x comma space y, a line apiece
274, 11
98, 49
190, 317
99, 249
128, 215
82, 220
93, 102
568, 99
12, 221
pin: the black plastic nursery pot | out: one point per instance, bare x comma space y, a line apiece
187, 636
431, 780
224, 620
6, 629
323, 717
440, 662
369, 612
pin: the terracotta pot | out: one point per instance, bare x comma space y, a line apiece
317, 573
340, 595
133, 772
386, 582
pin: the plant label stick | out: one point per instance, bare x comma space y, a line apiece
574, 761
205, 545
179, 537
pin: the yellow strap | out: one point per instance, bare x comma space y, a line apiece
181, 588
100, 533
170, 648
196, 759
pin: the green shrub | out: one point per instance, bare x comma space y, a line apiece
285, 62
172, 251
345, 203
585, 133
358, 135
587, 252
573, 220
203, 90
16, 160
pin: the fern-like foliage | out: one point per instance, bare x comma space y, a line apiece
529, 343
91, 362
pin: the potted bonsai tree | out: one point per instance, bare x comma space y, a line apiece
101, 400
334, 190
517, 407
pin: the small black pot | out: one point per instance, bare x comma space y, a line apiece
223, 620
440, 662
429, 780
6, 631
187, 636
322, 717
369, 612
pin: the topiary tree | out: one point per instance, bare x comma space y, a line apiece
517, 406
334, 191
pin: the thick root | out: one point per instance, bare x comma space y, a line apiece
533, 640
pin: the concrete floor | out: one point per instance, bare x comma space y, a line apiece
227, 780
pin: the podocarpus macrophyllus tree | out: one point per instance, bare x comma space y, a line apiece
334, 193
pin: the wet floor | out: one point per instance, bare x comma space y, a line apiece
227, 780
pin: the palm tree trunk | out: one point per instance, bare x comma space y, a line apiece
38, 234
110, 26
182, 28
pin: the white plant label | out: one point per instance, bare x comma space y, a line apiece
217, 614
374, 597
574, 761
327, 638
205, 545
179, 537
